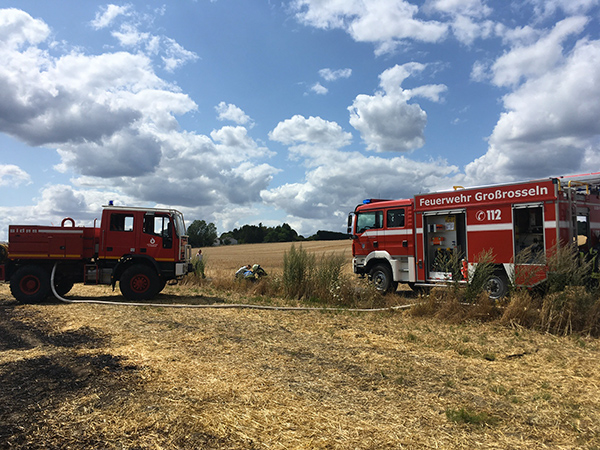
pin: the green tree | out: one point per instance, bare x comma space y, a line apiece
202, 234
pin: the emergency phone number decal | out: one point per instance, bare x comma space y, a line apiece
490, 214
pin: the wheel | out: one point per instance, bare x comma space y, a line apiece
62, 285
497, 286
30, 284
139, 282
381, 277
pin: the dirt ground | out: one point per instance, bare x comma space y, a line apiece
117, 377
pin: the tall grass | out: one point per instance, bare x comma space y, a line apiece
569, 302
322, 280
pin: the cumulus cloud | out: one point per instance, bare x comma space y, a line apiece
466, 18
311, 136
385, 23
228, 111
386, 121
113, 122
333, 187
533, 60
550, 123
12, 176
337, 180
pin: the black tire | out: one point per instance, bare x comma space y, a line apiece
139, 282
497, 286
30, 284
381, 277
62, 285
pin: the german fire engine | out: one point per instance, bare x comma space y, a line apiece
140, 248
412, 241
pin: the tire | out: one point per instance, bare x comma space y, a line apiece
62, 285
381, 277
497, 286
30, 284
139, 282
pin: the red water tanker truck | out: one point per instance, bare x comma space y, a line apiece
141, 248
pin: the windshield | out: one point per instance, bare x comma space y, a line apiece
179, 223
368, 220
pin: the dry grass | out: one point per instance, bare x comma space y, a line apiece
98, 376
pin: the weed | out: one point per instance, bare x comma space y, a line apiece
465, 415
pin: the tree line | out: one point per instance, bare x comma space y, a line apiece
203, 234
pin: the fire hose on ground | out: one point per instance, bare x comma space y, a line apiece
219, 306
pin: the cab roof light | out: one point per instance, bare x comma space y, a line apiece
374, 200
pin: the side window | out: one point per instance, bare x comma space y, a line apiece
158, 225
121, 222
369, 220
395, 218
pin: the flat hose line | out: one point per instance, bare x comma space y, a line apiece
219, 306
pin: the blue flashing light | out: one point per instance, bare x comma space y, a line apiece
110, 203
366, 201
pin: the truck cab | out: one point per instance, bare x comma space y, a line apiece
382, 234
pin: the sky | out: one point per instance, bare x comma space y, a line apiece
245, 112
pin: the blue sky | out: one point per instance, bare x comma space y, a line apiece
240, 112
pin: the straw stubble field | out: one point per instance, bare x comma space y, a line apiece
100, 376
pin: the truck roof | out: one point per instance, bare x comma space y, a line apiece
138, 208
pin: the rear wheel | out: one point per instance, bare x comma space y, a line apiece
139, 282
30, 284
381, 277
497, 286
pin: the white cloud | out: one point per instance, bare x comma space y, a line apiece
314, 131
176, 55
550, 125
108, 14
333, 75
536, 59
228, 111
113, 122
12, 176
337, 180
342, 180
18, 28
386, 23
545, 8
130, 35
386, 121
319, 89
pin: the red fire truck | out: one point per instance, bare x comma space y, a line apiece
413, 240
140, 248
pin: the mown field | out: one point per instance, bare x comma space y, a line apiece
120, 377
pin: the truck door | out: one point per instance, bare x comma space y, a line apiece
398, 239
528, 228
368, 232
157, 239
119, 235
445, 244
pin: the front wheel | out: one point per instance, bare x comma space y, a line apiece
30, 284
139, 282
381, 277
